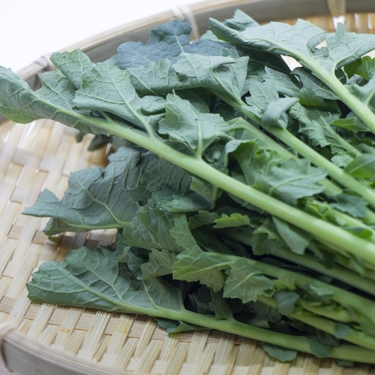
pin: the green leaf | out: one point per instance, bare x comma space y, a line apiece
173, 326
185, 124
154, 79
318, 348
351, 122
274, 114
254, 160
261, 96
72, 65
341, 330
313, 84
188, 202
321, 291
343, 363
362, 166
160, 264
207, 302
300, 41
291, 180
296, 239
167, 41
350, 203
94, 278
316, 125
344, 47
266, 238
220, 306
365, 67
279, 353
196, 265
284, 84
151, 226
97, 198
232, 221
106, 88
224, 75
202, 218
245, 282
52, 101
286, 302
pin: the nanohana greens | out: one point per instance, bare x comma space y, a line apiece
242, 191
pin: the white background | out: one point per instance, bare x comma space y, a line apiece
32, 28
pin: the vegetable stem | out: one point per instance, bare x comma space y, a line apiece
298, 343
337, 272
326, 325
301, 148
344, 240
328, 78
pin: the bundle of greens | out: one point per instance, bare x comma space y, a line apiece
242, 190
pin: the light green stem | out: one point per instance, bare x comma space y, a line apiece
343, 297
326, 325
328, 78
342, 239
310, 262
301, 148
298, 343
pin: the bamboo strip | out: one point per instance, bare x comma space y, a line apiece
198, 343
145, 337
126, 354
169, 346
67, 327
175, 363
224, 349
204, 361
40, 321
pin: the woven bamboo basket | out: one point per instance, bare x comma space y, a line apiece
42, 339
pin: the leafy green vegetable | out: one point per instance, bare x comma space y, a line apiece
242, 191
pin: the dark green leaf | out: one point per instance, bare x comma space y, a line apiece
279, 353
72, 65
96, 198
292, 180
160, 264
232, 221
172, 326
362, 167
318, 348
185, 124
296, 239
245, 282
166, 42
352, 204
286, 302
341, 330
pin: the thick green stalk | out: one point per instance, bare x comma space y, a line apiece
301, 148
330, 187
343, 297
326, 325
328, 78
343, 316
298, 343
310, 262
342, 239
343, 143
